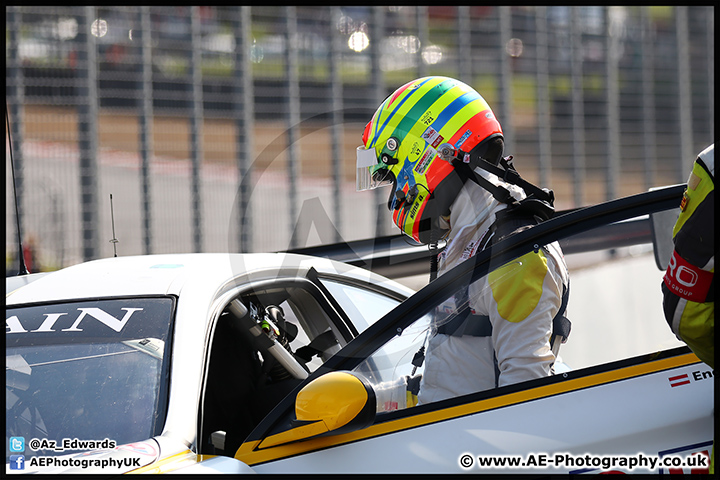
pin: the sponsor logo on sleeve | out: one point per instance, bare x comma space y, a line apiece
686, 280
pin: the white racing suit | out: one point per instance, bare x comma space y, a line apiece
521, 300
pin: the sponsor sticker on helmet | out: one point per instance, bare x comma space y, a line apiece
462, 139
415, 151
425, 160
427, 117
416, 206
432, 137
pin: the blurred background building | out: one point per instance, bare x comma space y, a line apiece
225, 129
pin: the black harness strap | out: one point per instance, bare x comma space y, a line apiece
507, 173
468, 323
474, 325
501, 194
519, 215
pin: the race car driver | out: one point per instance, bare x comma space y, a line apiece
439, 145
688, 293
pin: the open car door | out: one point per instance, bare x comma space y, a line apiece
634, 399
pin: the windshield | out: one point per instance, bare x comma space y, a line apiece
87, 371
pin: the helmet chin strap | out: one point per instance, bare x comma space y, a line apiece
537, 204
501, 194
465, 164
538, 201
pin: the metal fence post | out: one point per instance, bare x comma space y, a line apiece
421, 19
543, 96
505, 79
613, 103
87, 108
244, 124
711, 66
16, 102
337, 126
648, 98
377, 80
292, 116
684, 98
464, 58
578, 107
196, 125
146, 125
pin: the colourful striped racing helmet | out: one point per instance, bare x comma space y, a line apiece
401, 145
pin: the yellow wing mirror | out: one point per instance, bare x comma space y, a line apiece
337, 402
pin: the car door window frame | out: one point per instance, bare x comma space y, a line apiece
311, 285
320, 280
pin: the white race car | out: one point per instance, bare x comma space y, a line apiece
277, 363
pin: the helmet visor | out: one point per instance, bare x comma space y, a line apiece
370, 174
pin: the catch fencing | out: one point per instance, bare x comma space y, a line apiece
224, 129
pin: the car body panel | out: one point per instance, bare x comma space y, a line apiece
171, 273
547, 419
